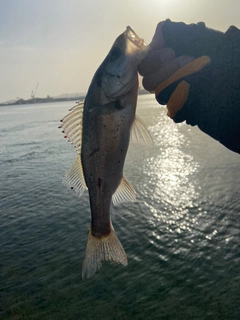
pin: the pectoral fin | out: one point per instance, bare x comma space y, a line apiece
74, 178
124, 193
140, 133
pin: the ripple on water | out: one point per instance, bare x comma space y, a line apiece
181, 236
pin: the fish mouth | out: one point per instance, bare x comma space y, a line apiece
135, 40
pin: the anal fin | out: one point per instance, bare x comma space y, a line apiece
124, 193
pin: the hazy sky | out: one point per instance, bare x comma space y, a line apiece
60, 43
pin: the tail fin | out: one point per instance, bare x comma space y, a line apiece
102, 249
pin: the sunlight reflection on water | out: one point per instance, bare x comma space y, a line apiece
171, 175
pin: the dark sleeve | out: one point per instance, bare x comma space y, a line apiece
214, 96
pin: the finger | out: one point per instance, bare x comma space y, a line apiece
157, 40
150, 81
178, 98
155, 60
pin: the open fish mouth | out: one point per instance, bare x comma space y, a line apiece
135, 40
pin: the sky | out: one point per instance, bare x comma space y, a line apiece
59, 44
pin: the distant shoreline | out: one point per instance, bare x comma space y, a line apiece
41, 100
50, 99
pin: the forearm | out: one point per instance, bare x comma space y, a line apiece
214, 105
213, 101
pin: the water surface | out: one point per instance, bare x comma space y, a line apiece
181, 236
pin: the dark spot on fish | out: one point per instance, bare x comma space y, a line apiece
99, 183
118, 105
93, 152
119, 161
104, 126
71, 188
115, 53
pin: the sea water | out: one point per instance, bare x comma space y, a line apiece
181, 236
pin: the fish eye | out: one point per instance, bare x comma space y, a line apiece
115, 53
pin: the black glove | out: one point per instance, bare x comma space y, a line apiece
207, 96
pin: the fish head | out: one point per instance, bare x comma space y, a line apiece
117, 75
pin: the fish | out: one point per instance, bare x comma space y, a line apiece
101, 127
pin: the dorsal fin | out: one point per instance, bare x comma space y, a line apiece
140, 133
74, 178
124, 193
72, 125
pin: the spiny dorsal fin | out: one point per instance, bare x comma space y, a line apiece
72, 125
124, 193
74, 178
79, 104
140, 133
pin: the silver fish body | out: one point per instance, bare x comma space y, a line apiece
107, 120
105, 141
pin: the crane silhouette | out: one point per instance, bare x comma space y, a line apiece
34, 92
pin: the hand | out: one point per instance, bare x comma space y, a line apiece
161, 62
195, 71
162, 68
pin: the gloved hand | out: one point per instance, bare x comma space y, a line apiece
196, 72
